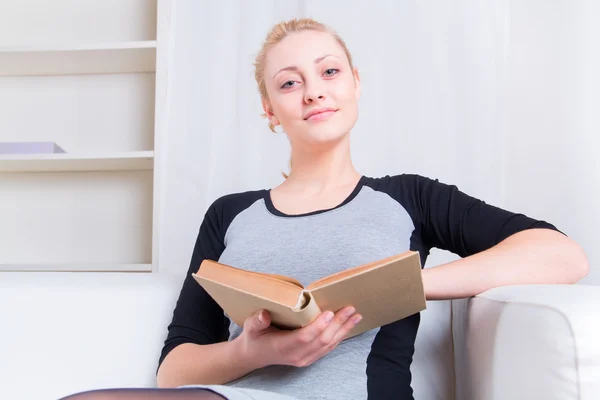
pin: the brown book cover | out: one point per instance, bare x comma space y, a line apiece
382, 291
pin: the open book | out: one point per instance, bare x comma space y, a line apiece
382, 291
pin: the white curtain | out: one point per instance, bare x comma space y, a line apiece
498, 97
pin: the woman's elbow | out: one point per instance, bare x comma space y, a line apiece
164, 377
577, 260
160, 379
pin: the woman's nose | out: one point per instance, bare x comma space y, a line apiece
313, 93
310, 99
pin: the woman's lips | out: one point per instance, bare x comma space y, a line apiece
321, 116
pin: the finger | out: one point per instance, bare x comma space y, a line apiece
337, 338
257, 322
327, 336
346, 328
310, 332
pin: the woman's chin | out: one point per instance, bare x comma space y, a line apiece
324, 140
326, 132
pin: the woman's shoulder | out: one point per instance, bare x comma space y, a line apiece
236, 201
409, 187
398, 180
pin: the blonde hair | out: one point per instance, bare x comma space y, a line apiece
276, 35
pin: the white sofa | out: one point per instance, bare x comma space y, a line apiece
67, 332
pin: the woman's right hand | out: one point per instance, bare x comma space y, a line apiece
265, 345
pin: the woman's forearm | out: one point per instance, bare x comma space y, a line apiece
530, 256
215, 364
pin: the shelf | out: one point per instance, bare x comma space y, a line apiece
103, 58
83, 267
66, 162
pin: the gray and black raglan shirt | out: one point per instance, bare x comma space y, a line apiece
380, 218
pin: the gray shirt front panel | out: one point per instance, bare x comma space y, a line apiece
371, 226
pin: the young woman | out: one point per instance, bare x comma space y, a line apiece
327, 216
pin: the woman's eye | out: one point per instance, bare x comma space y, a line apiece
328, 72
285, 85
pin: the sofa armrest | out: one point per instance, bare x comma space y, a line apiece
528, 342
64, 333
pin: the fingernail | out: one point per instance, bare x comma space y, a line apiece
328, 316
350, 311
357, 319
260, 317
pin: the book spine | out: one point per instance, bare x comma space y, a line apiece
307, 308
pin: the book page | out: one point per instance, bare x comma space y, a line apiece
286, 279
267, 286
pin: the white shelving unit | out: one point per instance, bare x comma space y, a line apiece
76, 267
101, 58
132, 161
91, 77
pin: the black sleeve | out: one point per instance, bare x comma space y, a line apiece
454, 221
197, 318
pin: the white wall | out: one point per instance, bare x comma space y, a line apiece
551, 96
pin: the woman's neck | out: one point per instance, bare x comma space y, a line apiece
324, 169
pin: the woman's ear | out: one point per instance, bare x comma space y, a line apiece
357, 90
269, 112
267, 108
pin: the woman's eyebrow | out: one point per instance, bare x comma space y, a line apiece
294, 68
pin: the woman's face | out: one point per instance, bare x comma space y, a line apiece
306, 73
